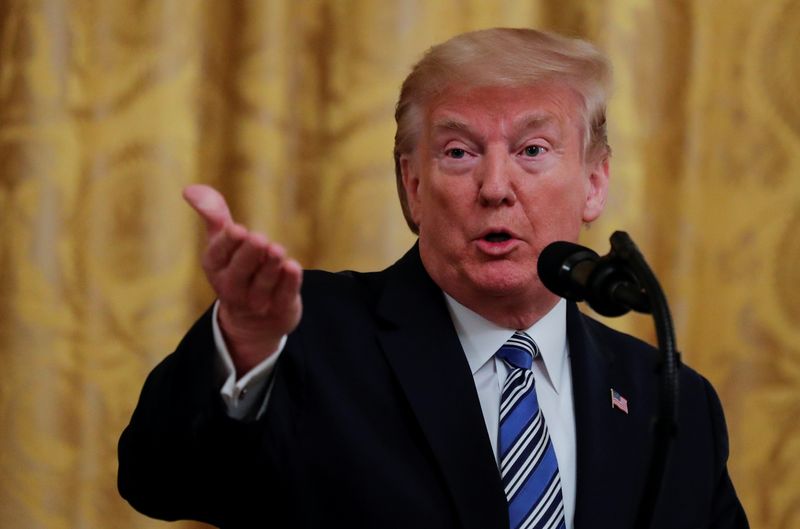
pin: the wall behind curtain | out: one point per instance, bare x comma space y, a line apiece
107, 109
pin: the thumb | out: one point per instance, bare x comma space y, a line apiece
210, 204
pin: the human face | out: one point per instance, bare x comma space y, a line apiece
497, 175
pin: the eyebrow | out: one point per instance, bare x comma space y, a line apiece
451, 124
536, 121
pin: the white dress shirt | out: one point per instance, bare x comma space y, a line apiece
243, 398
480, 339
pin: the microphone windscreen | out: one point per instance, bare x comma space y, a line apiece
555, 267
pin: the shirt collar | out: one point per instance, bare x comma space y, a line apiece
480, 338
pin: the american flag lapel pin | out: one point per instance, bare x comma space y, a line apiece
618, 401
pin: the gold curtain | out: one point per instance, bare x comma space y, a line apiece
107, 109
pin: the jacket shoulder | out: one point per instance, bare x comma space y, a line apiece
636, 356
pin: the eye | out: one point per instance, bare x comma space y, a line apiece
456, 153
533, 150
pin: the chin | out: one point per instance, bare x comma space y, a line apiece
505, 282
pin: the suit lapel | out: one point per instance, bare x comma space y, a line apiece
422, 347
611, 459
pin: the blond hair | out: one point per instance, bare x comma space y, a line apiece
504, 57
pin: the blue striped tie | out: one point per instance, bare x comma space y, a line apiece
528, 463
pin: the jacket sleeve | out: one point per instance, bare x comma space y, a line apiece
181, 456
726, 510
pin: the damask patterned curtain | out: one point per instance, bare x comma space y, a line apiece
109, 108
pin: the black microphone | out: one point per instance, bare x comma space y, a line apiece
577, 273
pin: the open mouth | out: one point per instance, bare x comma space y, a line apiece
497, 236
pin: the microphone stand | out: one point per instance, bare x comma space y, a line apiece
665, 424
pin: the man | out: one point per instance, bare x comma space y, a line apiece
451, 389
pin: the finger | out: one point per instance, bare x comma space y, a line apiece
267, 275
221, 246
266, 293
210, 204
287, 291
244, 263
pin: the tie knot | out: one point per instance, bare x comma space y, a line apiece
519, 351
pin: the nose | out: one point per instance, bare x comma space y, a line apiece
494, 180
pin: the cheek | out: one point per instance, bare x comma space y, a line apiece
559, 206
446, 210
440, 194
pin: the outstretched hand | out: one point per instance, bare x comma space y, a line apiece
258, 286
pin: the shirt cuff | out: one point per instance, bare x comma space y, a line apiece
247, 397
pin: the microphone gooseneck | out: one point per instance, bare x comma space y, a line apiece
612, 285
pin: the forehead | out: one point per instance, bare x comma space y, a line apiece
506, 109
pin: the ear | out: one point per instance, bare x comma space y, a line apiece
410, 171
596, 189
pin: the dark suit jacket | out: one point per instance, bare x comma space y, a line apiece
374, 422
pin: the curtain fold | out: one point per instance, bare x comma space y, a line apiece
108, 109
